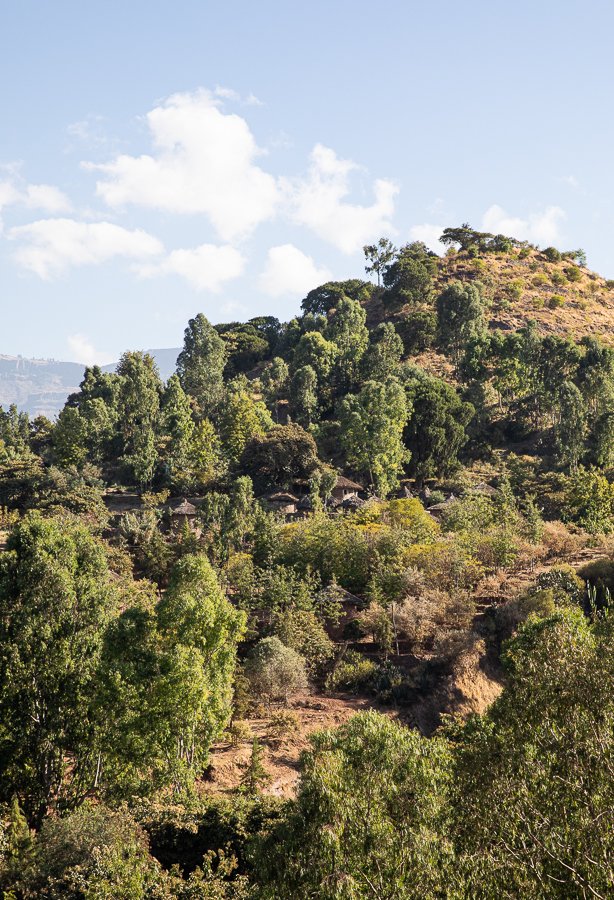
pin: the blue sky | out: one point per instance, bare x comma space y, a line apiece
159, 159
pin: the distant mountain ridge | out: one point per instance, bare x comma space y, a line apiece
41, 386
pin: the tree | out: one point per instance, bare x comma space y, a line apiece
255, 775
368, 820
383, 353
589, 501
534, 783
275, 672
274, 380
241, 419
70, 437
177, 427
571, 427
435, 433
207, 462
378, 257
327, 296
56, 598
138, 405
409, 278
460, 316
372, 424
284, 454
347, 329
314, 350
304, 395
167, 675
200, 365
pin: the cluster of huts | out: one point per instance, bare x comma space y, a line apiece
345, 497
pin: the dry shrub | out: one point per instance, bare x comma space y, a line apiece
282, 727
435, 613
560, 540
451, 642
517, 610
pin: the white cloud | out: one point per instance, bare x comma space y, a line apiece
50, 246
33, 196
539, 228
205, 268
203, 162
290, 271
429, 234
83, 351
318, 202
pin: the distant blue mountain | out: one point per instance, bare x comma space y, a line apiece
41, 386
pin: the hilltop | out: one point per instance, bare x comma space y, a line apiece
522, 284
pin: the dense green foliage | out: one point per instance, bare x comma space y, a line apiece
378, 498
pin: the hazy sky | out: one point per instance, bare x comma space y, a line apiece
159, 158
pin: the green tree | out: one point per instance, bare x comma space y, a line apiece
534, 784
383, 354
56, 598
70, 437
378, 257
138, 405
435, 433
286, 453
167, 677
177, 428
372, 424
275, 672
368, 819
347, 329
200, 365
571, 427
304, 395
409, 279
460, 316
241, 419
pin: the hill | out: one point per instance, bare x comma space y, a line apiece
41, 386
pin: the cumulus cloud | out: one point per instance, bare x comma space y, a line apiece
48, 247
319, 202
290, 271
203, 161
205, 268
45, 197
83, 351
539, 227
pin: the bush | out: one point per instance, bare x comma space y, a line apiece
555, 301
275, 672
354, 673
540, 280
573, 273
552, 254
558, 278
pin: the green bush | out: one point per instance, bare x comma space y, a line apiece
355, 673
555, 301
558, 278
552, 254
573, 273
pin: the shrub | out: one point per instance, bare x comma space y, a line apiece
353, 673
573, 273
515, 288
552, 254
555, 301
558, 278
275, 672
281, 726
540, 280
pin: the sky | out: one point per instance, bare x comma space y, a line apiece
160, 159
